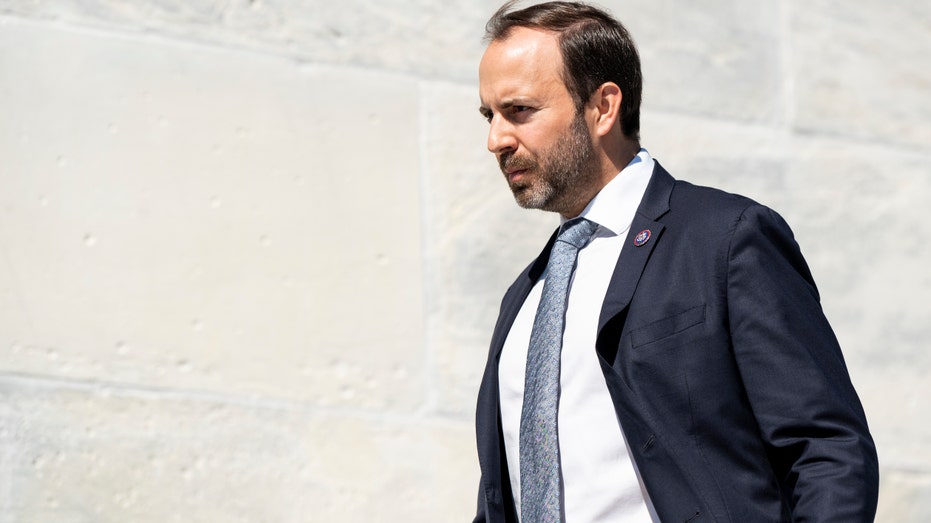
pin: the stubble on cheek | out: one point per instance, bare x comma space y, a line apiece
551, 181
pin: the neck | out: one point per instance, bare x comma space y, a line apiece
619, 156
611, 162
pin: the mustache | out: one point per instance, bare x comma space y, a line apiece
510, 161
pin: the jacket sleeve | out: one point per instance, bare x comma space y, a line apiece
794, 374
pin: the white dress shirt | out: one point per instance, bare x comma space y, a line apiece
600, 479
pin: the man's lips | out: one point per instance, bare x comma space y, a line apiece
514, 167
515, 175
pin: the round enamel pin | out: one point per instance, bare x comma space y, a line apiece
642, 237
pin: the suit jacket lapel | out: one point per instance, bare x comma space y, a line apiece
633, 258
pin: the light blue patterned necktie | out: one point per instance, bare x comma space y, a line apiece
540, 476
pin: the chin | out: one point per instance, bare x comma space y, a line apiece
524, 200
529, 199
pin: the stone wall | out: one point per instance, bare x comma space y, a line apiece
251, 251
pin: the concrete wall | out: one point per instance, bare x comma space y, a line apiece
251, 251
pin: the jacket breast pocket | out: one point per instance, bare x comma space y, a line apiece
666, 328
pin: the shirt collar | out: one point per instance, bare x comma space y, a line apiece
614, 207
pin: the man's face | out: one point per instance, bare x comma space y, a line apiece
543, 146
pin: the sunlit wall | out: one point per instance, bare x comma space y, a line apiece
251, 252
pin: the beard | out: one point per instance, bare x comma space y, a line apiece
558, 177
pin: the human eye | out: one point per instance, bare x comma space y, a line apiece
486, 114
520, 111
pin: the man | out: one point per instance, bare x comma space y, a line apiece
666, 357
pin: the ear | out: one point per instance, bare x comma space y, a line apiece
605, 106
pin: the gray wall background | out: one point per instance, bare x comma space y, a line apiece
251, 251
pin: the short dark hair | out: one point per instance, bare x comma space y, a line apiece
595, 49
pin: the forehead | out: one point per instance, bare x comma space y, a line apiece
527, 61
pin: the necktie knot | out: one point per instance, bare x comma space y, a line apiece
577, 232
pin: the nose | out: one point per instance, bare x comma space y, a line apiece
501, 137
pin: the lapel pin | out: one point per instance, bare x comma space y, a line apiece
642, 237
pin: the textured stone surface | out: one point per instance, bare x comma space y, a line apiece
251, 251
863, 211
95, 454
713, 57
861, 69
904, 496
436, 39
739, 158
190, 217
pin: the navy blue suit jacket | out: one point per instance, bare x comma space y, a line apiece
728, 381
